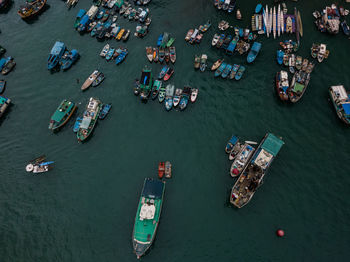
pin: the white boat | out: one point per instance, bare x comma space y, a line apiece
92, 11
282, 22
104, 50
265, 22
274, 22
215, 39
194, 94
279, 20
241, 160
177, 97
251, 142
270, 21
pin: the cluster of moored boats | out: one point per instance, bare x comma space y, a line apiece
83, 125
164, 52
275, 21
194, 36
250, 164
329, 19
61, 56
110, 53
226, 5
147, 88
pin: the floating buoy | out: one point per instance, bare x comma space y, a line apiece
280, 233
29, 168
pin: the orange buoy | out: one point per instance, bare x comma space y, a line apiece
280, 233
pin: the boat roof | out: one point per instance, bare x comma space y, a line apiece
59, 113
272, 144
3, 100
298, 87
145, 77
85, 122
153, 188
346, 108
340, 92
92, 11
81, 13
56, 49
233, 140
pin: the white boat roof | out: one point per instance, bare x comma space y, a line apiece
85, 122
194, 33
340, 92
263, 159
92, 11
147, 211
284, 75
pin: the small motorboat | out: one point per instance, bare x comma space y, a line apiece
282, 85
258, 8
185, 97
221, 68
161, 55
167, 169
110, 54
77, 124
215, 40
240, 72
126, 35
168, 74
137, 87
90, 79
68, 59
234, 71
188, 35
149, 53
280, 55
238, 14
161, 95
203, 63
167, 55
104, 111
155, 90
8, 66
345, 27
253, 52
172, 52
121, 57
161, 169
104, 50
169, 94
197, 61
217, 64
226, 71
163, 72
194, 94
231, 143
98, 80
223, 25
2, 85
177, 96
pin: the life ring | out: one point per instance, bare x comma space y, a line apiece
29, 168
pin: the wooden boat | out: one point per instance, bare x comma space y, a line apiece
282, 85
172, 52
90, 118
2, 85
177, 97
90, 79
314, 50
278, 17
238, 14
163, 72
161, 55
170, 42
305, 64
8, 66
300, 24
226, 71
254, 172
149, 53
197, 61
341, 102
188, 35
321, 53
296, 25
161, 169
194, 94
167, 55
156, 87
168, 74
203, 63
167, 169
155, 54
217, 64
31, 8
62, 114
221, 68
241, 159
298, 86
298, 62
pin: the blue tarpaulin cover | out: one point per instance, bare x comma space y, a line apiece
346, 108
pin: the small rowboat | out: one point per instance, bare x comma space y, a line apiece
161, 169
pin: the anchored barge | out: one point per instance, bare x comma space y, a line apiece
253, 174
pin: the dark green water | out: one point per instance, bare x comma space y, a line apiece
84, 209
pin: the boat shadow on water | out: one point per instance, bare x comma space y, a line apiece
7, 8
31, 20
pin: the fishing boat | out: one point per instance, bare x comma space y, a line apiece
55, 55
298, 62
238, 14
170, 42
321, 53
172, 53
231, 6
2, 86
221, 68
217, 64
221, 41
168, 74
291, 63
161, 95
90, 79
104, 111
161, 55
234, 71
120, 34
226, 71
62, 114
4, 104
232, 45
155, 90
79, 16
223, 25
286, 59
314, 50
226, 42
177, 96
304, 64
341, 102
215, 40
240, 72
8, 66
163, 72
254, 51
146, 83
167, 55
258, 8
254, 172
167, 169
278, 20
105, 50
282, 85
77, 124
300, 24
241, 159
126, 35
231, 143
188, 35
197, 61
121, 57
161, 169
110, 54
194, 94
274, 25
298, 86
89, 120
280, 55
310, 67
185, 97
68, 59
169, 93
147, 215
149, 53
203, 63
31, 8
137, 87
345, 27
2, 50
99, 79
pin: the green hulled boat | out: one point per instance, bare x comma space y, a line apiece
146, 83
147, 215
90, 117
62, 114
